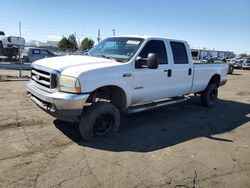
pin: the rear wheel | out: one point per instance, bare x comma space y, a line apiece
99, 120
230, 69
209, 95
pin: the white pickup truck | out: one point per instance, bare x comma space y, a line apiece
9, 46
127, 73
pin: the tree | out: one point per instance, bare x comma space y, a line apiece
244, 55
72, 40
64, 44
86, 44
68, 44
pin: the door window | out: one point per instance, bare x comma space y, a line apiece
36, 51
44, 52
157, 47
179, 53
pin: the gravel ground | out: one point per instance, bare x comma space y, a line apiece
184, 145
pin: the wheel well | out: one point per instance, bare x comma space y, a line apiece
113, 94
215, 79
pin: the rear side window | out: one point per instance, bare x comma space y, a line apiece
155, 46
35, 51
179, 53
44, 52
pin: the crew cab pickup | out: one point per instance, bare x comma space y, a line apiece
126, 73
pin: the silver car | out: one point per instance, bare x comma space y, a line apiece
33, 54
246, 64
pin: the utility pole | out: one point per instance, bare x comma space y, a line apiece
79, 43
113, 30
20, 61
20, 34
99, 35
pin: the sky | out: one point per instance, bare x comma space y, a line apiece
218, 24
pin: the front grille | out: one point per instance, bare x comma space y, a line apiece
44, 78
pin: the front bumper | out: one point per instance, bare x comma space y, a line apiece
64, 106
246, 66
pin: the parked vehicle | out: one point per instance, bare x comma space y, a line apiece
129, 74
238, 63
246, 64
9, 46
230, 66
230, 69
217, 61
32, 54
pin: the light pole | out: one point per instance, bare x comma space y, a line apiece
99, 35
113, 30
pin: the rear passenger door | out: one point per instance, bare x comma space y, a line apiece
182, 69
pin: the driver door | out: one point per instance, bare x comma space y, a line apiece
150, 84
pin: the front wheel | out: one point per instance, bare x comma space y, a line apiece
209, 95
99, 120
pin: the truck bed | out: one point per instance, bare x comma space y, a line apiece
202, 71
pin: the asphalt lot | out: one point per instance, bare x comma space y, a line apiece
184, 145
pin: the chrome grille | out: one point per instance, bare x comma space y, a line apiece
44, 78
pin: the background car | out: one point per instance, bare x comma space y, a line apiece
246, 64
32, 54
230, 65
238, 63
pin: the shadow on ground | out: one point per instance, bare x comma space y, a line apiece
168, 126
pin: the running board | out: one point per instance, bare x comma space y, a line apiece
153, 105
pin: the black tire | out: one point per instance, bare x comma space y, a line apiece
209, 95
230, 69
25, 58
99, 120
1, 46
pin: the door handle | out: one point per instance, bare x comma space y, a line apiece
189, 71
169, 72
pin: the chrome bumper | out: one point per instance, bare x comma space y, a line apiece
65, 106
246, 66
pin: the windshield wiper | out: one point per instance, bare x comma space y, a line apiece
107, 57
86, 53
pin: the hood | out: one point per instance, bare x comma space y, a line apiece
76, 61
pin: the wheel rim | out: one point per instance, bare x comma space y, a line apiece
213, 95
103, 124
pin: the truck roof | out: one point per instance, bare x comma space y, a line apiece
146, 37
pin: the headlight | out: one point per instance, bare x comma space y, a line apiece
69, 84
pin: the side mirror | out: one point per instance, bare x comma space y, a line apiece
139, 64
153, 61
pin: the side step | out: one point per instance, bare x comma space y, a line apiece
153, 105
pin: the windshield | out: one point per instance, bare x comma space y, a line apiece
121, 49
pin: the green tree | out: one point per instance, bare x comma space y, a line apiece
244, 55
68, 44
72, 40
64, 44
86, 44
